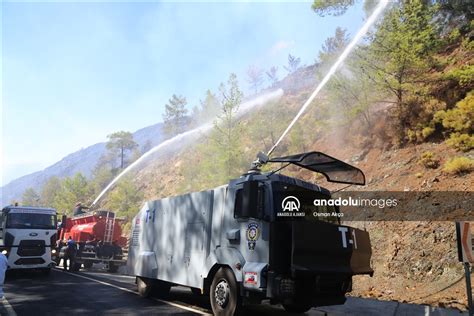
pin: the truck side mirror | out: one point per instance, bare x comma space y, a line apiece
250, 199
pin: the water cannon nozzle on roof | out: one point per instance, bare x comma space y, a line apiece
257, 163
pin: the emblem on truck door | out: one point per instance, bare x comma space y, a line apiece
253, 233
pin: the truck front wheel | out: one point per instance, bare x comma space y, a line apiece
224, 293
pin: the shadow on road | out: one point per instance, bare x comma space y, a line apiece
31, 293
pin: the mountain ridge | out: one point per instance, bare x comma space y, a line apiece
83, 160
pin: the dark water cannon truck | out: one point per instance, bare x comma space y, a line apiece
254, 239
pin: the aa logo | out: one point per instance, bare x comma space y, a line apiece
290, 204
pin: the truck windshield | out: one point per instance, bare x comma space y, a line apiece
292, 202
31, 221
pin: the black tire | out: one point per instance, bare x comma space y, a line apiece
88, 264
144, 286
303, 298
112, 268
225, 293
297, 308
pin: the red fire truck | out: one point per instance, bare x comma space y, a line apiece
98, 235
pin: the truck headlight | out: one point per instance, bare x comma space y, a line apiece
4, 252
53, 251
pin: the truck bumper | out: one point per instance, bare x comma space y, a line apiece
31, 262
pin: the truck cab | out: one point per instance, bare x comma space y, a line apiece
28, 237
295, 253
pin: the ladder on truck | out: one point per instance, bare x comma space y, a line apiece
109, 227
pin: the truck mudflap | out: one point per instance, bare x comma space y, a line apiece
326, 248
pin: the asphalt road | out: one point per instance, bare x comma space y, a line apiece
99, 293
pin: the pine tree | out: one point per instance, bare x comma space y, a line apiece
333, 46
120, 143
331, 7
126, 198
255, 78
272, 75
209, 107
49, 191
293, 64
174, 117
30, 198
73, 189
398, 57
222, 153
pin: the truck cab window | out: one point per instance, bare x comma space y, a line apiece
255, 203
31, 221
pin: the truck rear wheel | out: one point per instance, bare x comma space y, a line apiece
224, 294
88, 264
144, 286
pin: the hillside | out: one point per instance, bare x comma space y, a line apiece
414, 261
83, 161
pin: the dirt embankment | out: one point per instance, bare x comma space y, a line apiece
414, 261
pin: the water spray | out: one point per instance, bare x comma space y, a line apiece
244, 108
373, 17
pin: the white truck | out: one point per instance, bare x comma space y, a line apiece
254, 239
28, 237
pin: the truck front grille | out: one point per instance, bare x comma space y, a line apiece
30, 248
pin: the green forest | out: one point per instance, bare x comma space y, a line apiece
416, 62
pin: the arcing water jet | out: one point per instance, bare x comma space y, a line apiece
370, 21
178, 139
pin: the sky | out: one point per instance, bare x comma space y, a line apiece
75, 72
